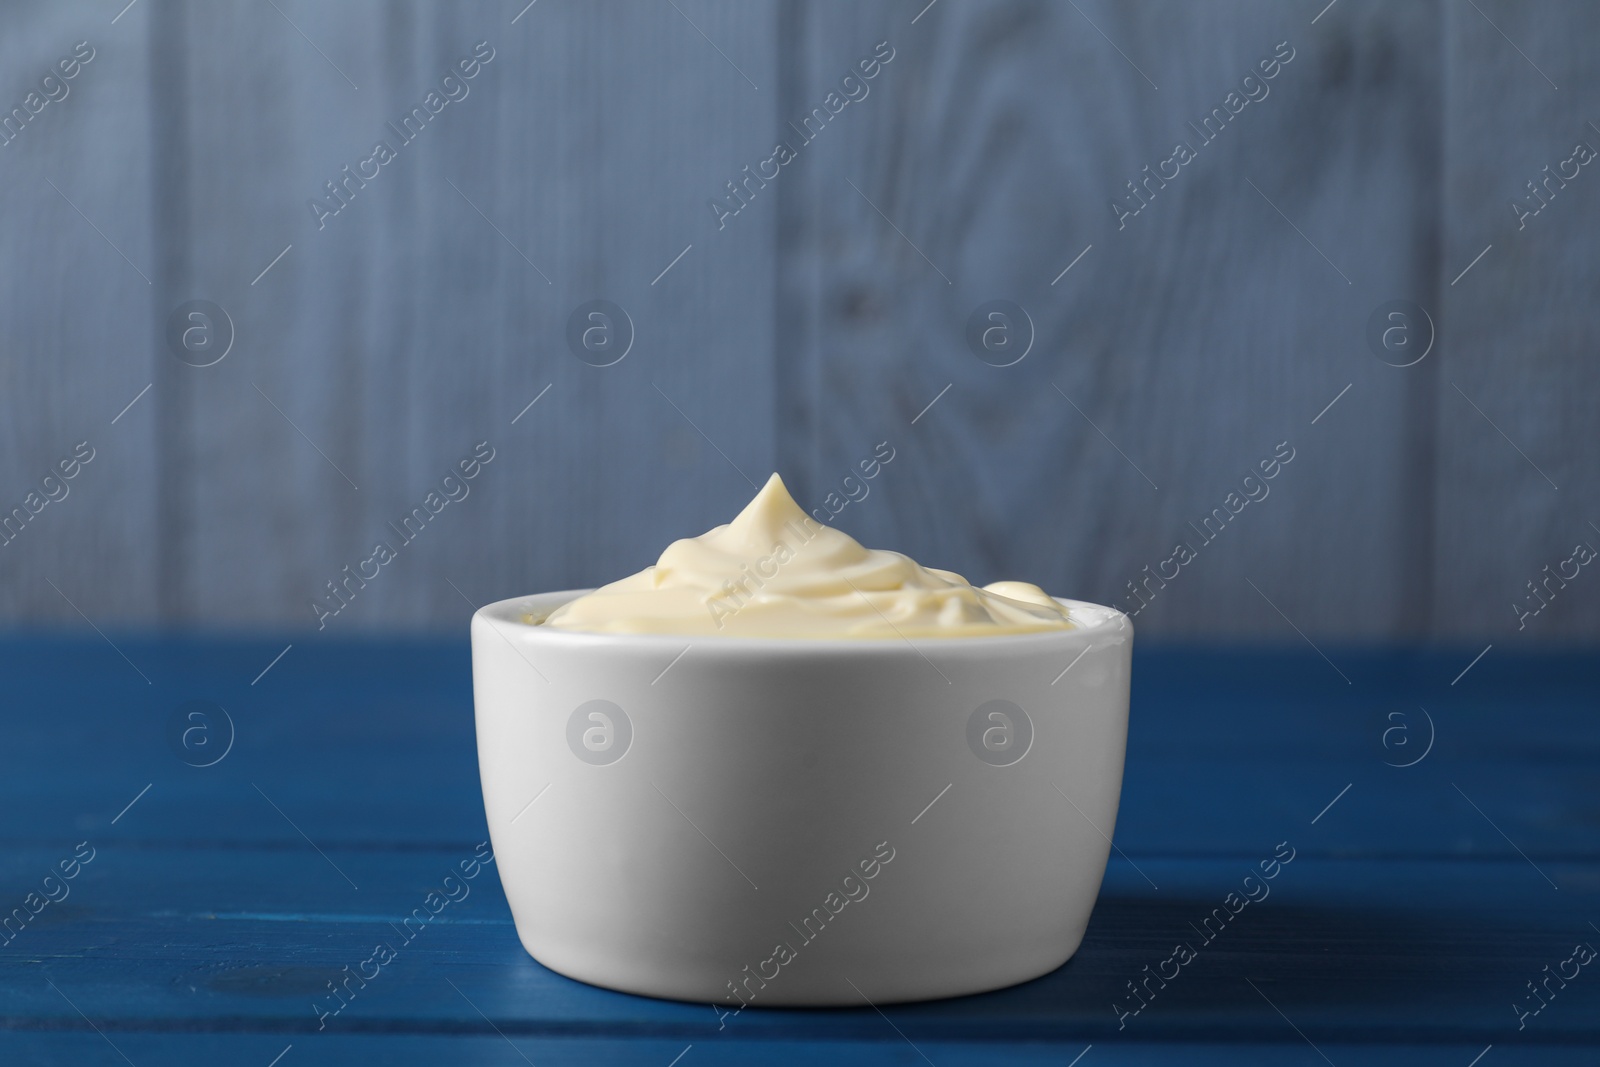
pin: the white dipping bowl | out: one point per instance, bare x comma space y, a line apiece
708, 818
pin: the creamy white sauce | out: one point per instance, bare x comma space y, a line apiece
774, 571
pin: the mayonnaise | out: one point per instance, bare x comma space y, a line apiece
774, 571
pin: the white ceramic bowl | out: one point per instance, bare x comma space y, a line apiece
799, 822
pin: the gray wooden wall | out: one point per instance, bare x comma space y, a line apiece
823, 318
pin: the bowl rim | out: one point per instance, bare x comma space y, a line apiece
1095, 623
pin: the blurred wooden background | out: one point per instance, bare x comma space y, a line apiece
824, 318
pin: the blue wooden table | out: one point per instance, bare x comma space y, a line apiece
175, 899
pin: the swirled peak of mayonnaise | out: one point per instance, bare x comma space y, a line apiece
774, 571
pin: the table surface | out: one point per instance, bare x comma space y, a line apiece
219, 901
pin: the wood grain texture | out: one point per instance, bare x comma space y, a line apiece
1178, 352
1334, 942
369, 745
207, 922
429, 311
1518, 472
411, 1050
76, 308
491, 1050
822, 318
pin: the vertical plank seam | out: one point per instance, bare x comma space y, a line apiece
168, 76
1425, 399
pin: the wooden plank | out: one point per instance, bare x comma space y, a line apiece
1516, 404
411, 1050
1393, 950
1192, 341
974, 142
428, 313
1228, 750
79, 333
1404, 917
